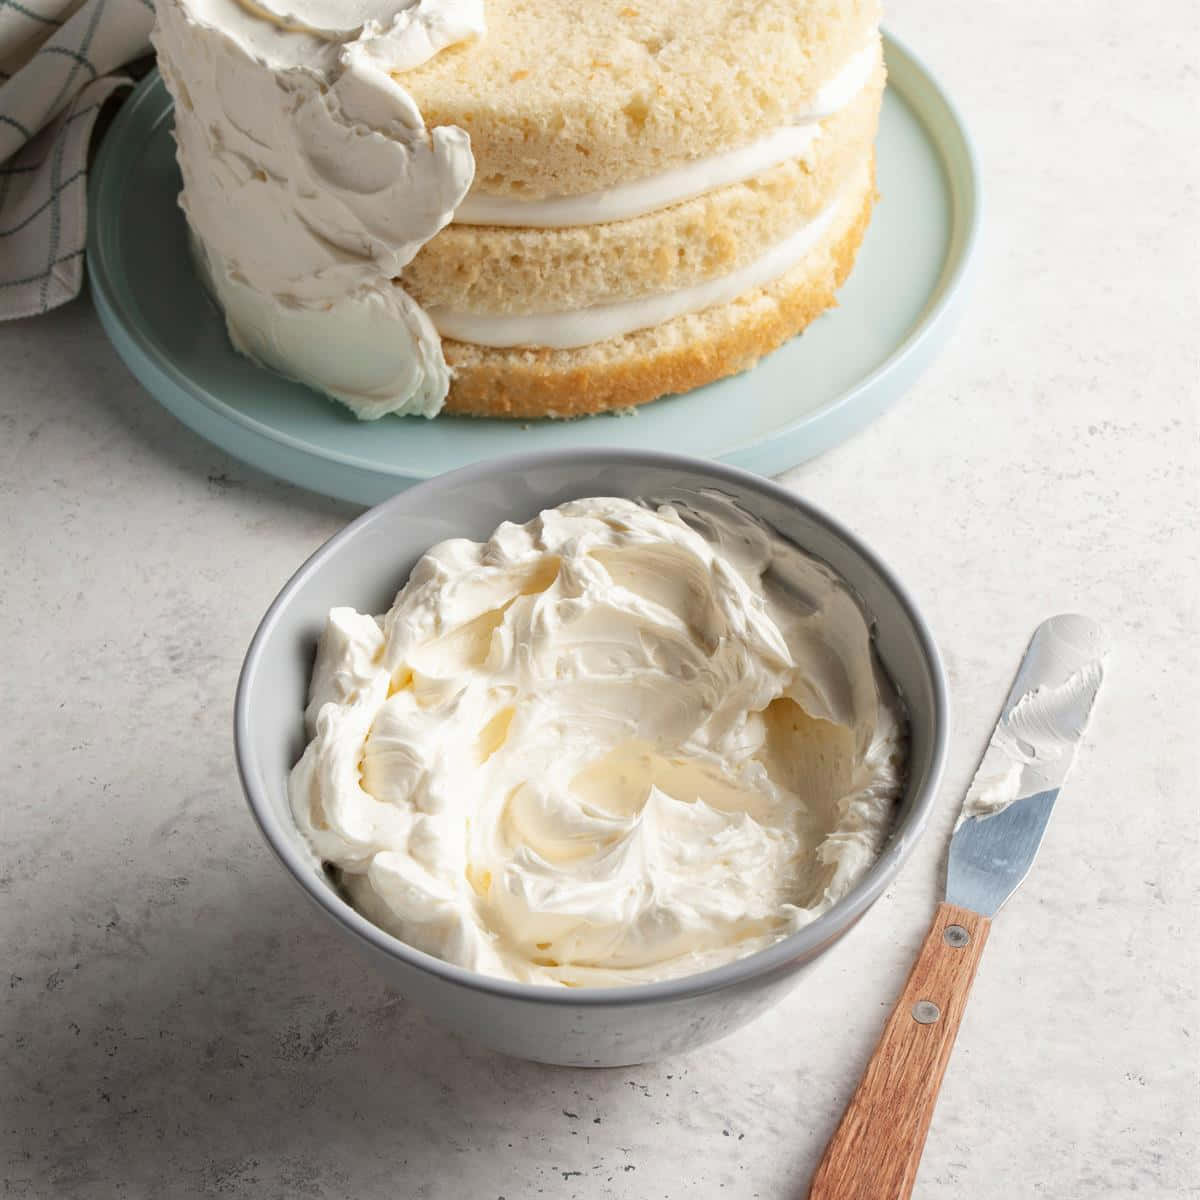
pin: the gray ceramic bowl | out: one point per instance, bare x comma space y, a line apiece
366, 564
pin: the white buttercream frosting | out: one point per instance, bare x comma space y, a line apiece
835, 94
1035, 741
691, 179
584, 326
311, 180
625, 200
619, 743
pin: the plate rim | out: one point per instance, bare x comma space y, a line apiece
965, 189
917, 86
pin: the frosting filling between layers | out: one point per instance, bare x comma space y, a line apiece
681, 183
586, 326
310, 181
618, 743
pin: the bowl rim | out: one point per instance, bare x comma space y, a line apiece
802, 945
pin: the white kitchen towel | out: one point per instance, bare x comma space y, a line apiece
56, 64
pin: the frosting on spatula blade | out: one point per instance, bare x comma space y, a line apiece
1032, 748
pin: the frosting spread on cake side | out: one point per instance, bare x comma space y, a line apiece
310, 180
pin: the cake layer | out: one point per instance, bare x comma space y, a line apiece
600, 322
571, 97
496, 270
676, 356
692, 178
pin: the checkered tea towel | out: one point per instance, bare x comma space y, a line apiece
56, 59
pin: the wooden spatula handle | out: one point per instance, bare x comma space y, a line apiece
876, 1150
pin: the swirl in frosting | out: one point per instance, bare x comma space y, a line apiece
618, 743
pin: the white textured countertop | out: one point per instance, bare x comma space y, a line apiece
176, 1022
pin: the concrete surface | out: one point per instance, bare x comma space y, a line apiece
176, 1023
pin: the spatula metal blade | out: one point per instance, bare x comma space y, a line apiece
1008, 805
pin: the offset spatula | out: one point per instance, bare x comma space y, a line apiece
876, 1150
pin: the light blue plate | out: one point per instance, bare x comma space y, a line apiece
895, 311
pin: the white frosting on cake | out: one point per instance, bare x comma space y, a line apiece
685, 182
584, 326
311, 180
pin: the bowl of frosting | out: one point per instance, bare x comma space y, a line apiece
593, 753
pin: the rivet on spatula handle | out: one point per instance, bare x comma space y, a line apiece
876, 1150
